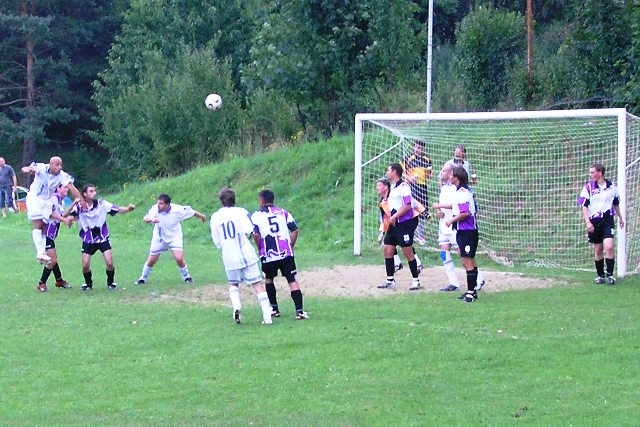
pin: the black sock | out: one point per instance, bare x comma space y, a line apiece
296, 296
600, 267
56, 272
610, 264
87, 277
271, 293
388, 264
413, 267
110, 275
45, 275
472, 279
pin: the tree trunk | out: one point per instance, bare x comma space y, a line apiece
29, 144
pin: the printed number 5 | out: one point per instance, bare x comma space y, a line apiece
274, 225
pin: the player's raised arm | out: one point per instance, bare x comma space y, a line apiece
126, 209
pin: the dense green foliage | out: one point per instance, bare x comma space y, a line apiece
287, 71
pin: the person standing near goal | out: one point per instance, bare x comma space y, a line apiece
230, 226
402, 226
446, 233
275, 235
167, 235
417, 171
464, 222
459, 160
600, 201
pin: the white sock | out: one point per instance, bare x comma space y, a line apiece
449, 268
480, 278
184, 271
396, 260
146, 271
263, 300
417, 260
39, 241
234, 296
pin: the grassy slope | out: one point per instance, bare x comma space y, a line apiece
566, 355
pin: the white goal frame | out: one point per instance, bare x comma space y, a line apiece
619, 113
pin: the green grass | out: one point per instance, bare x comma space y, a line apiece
567, 355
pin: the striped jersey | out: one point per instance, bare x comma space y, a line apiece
465, 202
599, 200
51, 225
93, 221
274, 225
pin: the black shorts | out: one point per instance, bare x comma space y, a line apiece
92, 248
51, 244
604, 228
287, 267
467, 243
402, 233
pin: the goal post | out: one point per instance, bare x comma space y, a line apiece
530, 167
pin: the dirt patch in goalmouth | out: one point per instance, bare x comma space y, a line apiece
360, 281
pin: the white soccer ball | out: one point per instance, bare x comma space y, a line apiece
213, 101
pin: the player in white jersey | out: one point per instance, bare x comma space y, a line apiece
46, 178
95, 233
446, 233
275, 235
600, 200
167, 235
230, 226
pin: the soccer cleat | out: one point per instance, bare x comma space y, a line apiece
479, 286
112, 286
43, 259
140, 282
86, 287
275, 313
397, 268
599, 280
42, 287
449, 288
301, 315
188, 279
415, 285
611, 280
387, 284
267, 322
470, 297
237, 316
62, 284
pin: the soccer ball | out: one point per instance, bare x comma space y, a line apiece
213, 101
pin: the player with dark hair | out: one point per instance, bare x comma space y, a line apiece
95, 233
275, 235
167, 235
417, 171
459, 160
464, 222
230, 226
402, 226
52, 226
600, 200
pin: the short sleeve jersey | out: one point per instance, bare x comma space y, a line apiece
44, 183
464, 202
52, 226
447, 197
418, 166
230, 227
93, 221
599, 200
274, 225
399, 196
169, 228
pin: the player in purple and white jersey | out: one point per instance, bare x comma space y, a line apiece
95, 233
275, 235
402, 226
600, 202
464, 222
52, 226
230, 226
167, 235
46, 179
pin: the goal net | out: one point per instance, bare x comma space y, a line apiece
530, 168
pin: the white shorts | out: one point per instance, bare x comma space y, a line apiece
38, 208
447, 239
249, 275
158, 246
